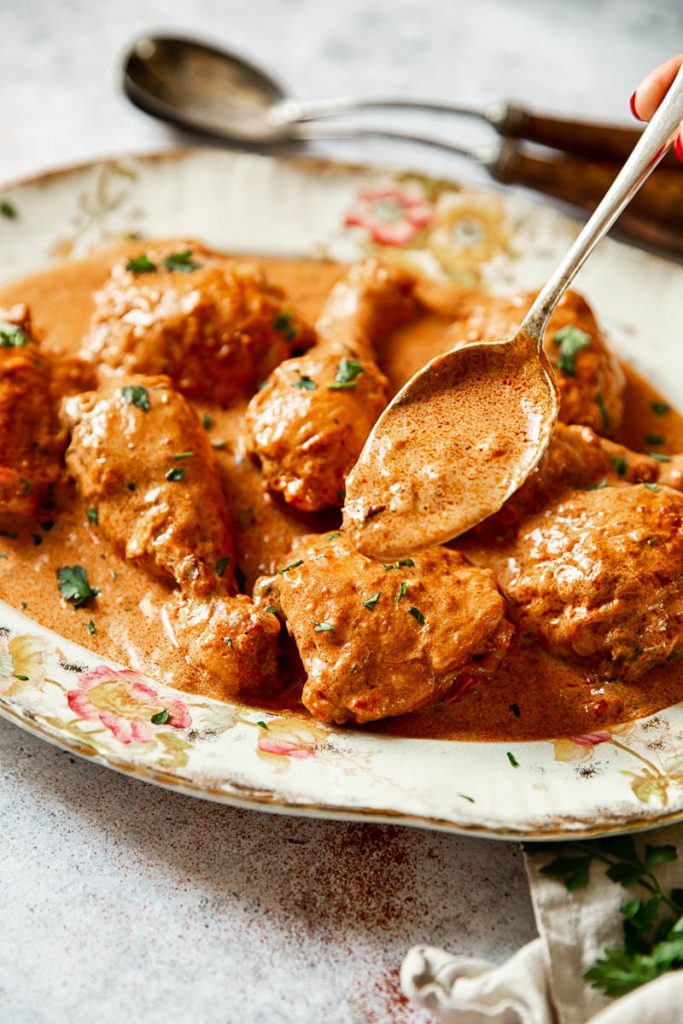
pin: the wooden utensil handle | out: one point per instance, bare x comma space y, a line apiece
653, 218
582, 138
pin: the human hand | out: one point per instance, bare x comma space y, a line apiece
651, 92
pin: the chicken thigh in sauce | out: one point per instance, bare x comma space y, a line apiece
308, 424
214, 326
379, 640
597, 577
589, 376
143, 463
32, 442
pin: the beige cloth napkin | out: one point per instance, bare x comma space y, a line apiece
543, 982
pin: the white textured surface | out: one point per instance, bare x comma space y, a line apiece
122, 902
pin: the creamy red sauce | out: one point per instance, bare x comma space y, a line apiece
532, 696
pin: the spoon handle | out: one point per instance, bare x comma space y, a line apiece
651, 147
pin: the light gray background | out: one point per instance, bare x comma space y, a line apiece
120, 902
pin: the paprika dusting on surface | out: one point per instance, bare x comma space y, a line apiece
531, 694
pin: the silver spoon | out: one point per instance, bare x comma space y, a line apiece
467, 430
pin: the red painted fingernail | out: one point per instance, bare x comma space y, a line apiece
678, 147
632, 105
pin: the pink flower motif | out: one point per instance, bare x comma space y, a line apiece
284, 748
580, 748
592, 739
391, 217
124, 702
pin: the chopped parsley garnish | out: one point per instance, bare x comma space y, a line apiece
141, 265
332, 536
602, 406
176, 475
292, 565
514, 708
161, 717
597, 486
181, 261
660, 408
262, 385
620, 464
222, 564
346, 374
182, 455
659, 456
8, 210
136, 395
12, 335
47, 525
402, 591
397, 565
90, 626
651, 487
417, 614
655, 439
371, 601
207, 421
228, 640
131, 485
305, 383
218, 444
273, 610
570, 341
464, 796
262, 724
12, 534
323, 627
513, 760
283, 324
74, 586
93, 515
37, 539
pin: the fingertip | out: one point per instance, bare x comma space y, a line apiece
678, 146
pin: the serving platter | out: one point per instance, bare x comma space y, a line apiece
617, 779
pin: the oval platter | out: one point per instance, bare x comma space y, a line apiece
617, 779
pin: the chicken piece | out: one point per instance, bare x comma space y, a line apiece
309, 423
575, 457
598, 578
32, 441
141, 457
214, 326
590, 378
379, 640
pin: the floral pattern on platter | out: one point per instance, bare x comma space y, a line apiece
655, 777
435, 230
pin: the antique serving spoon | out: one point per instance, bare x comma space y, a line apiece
467, 430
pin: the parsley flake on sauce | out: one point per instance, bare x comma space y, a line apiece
655, 439
182, 455
176, 475
651, 487
273, 610
620, 464
138, 396
12, 335
305, 383
323, 627
332, 536
512, 759
161, 717
90, 626
228, 641
8, 210
659, 456
597, 486
131, 485
93, 515
283, 324
371, 601
570, 341
604, 412
417, 614
402, 591
222, 564
347, 371
207, 421
292, 565
141, 265
181, 261
514, 708
660, 408
74, 585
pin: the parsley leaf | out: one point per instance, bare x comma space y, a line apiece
136, 395
402, 591
570, 340
347, 371
141, 265
207, 421
659, 456
8, 210
90, 626
620, 464
604, 412
660, 408
292, 565
222, 564
323, 627
12, 335
181, 261
161, 717
74, 586
417, 614
371, 601
283, 323
305, 383
512, 759
176, 475
93, 515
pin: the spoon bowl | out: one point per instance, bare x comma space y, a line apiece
473, 424
194, 85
